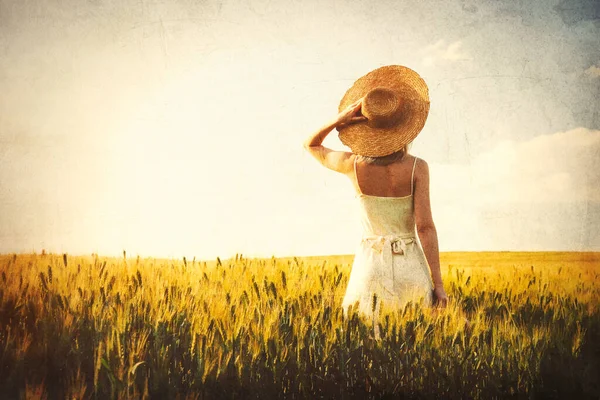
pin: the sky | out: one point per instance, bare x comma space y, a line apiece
175, 128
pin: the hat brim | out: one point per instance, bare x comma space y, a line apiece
378, 142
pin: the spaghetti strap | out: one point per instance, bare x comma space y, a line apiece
356, 176
412, 177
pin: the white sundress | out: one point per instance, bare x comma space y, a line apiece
389, 261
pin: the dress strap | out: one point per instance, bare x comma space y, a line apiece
356, 175
412, 176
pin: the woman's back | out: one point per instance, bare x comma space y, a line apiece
391, 180
384, 214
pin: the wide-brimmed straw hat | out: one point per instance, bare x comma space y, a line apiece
396, 104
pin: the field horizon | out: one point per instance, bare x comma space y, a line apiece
446, 257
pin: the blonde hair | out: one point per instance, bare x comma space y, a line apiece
390, 158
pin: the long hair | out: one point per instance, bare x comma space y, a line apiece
390, 158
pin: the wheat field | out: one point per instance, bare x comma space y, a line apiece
92, 327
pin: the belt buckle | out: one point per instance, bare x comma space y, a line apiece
397, 247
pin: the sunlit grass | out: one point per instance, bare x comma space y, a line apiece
519, 324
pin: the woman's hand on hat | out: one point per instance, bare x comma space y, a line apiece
351, 115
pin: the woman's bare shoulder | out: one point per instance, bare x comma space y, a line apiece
421, 169
419, 162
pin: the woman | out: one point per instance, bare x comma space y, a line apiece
379, 117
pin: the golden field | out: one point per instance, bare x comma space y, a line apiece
519, 325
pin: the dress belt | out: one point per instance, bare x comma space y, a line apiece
389, 245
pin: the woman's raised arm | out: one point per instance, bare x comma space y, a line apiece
339, 161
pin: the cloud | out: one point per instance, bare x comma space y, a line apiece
593, 71
558, 167
440, 52
538, 194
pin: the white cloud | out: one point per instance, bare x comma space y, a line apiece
542, 193
593, 71
559, 167
440, 52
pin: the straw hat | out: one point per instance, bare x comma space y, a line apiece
396, 104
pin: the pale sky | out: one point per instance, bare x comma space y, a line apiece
175, 128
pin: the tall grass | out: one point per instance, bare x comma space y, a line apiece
93, 327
